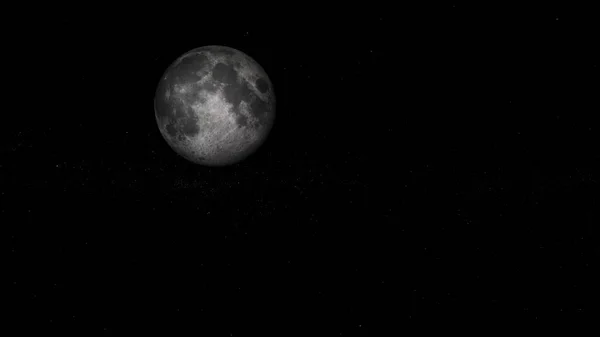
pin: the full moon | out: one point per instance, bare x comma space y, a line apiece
215, 105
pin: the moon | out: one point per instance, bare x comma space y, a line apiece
215, 105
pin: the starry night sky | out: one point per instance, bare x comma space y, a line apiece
425, 164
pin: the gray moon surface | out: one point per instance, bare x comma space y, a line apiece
215, 105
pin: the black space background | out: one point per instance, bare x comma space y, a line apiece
425, 164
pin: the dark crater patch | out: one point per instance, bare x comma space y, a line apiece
241, 120
185, 71
190, 126
190, 113
262, 85
222, 51
224, 73
182, 124
209, 86
171, 129
161, 107
260, 110
234, 94
192, 63
161, 103
179, 112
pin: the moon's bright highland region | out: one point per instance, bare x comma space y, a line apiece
215, 105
